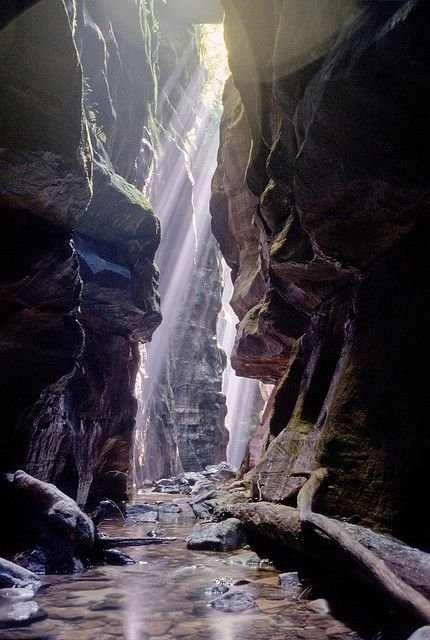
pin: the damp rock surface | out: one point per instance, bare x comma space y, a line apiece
218, 536
234, 601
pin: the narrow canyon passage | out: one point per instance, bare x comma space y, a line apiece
213, 331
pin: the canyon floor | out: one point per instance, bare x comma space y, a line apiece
168, 593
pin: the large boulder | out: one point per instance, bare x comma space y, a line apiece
46, 530
228, 535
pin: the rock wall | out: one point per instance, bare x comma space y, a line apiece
97, 94
327, 120
75, 311
45, 186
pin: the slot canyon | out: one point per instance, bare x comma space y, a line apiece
213, 336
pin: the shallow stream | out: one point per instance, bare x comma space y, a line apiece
165, 596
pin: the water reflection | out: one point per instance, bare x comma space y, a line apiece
165, 598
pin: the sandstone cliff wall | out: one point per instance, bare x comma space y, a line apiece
327, 121
80, 238
92, 88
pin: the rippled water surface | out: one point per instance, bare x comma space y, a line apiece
164, 596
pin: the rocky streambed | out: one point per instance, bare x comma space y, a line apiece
189, 572
175, 592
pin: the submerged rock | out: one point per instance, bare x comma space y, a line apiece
12, 576
218, 536
234, 601
117, 558
20, 614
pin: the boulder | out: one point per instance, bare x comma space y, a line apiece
290, 583
20, 614
217, 536
421, 634
234, 601
62, 514
46, 531
14, 576
221, 471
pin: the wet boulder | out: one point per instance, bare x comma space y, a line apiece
421, 634
17, 614
201, 487
219, 587
220, 472
13, 576
47, 531
170, 508
172, 485
204, 506
228, 535
291, 584
17, 607
61, 514
192, 477
234, 601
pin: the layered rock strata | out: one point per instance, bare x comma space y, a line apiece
329, 101
45, 187
74, 312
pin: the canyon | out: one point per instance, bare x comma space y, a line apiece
130, 192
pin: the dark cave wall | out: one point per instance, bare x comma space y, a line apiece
73, 312
45, 186
82, 121
333, 101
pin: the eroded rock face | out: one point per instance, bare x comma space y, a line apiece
335, 96
200, 405
44, 189
71, 389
